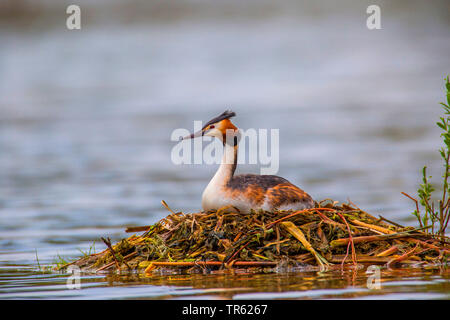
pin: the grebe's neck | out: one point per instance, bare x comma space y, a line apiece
228, 165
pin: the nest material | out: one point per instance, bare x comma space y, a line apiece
325, 236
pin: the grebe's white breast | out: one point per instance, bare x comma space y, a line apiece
216, 194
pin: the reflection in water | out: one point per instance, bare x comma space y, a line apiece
86, 117
396, 283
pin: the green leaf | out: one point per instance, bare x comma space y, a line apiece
425, 220
441, 125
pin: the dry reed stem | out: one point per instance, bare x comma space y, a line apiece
388, 252
297, 213
296, 232
402, 257
371, 226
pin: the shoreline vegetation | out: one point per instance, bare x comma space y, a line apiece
328, 236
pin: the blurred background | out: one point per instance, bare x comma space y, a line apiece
86, 115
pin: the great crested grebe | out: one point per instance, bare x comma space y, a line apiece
245, 191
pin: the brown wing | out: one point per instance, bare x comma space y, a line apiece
279, 190
287, 193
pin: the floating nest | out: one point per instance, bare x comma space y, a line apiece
327, 236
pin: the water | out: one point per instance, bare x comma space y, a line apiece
86, 118
27, 283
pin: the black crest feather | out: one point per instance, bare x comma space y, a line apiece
226, 115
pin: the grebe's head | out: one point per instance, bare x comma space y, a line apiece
218, 127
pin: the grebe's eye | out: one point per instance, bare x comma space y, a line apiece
211, 127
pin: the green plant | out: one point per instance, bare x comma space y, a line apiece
438, 214
37, 259
88, 253
59, 261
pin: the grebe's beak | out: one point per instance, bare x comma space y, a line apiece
193, 135
209, 128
